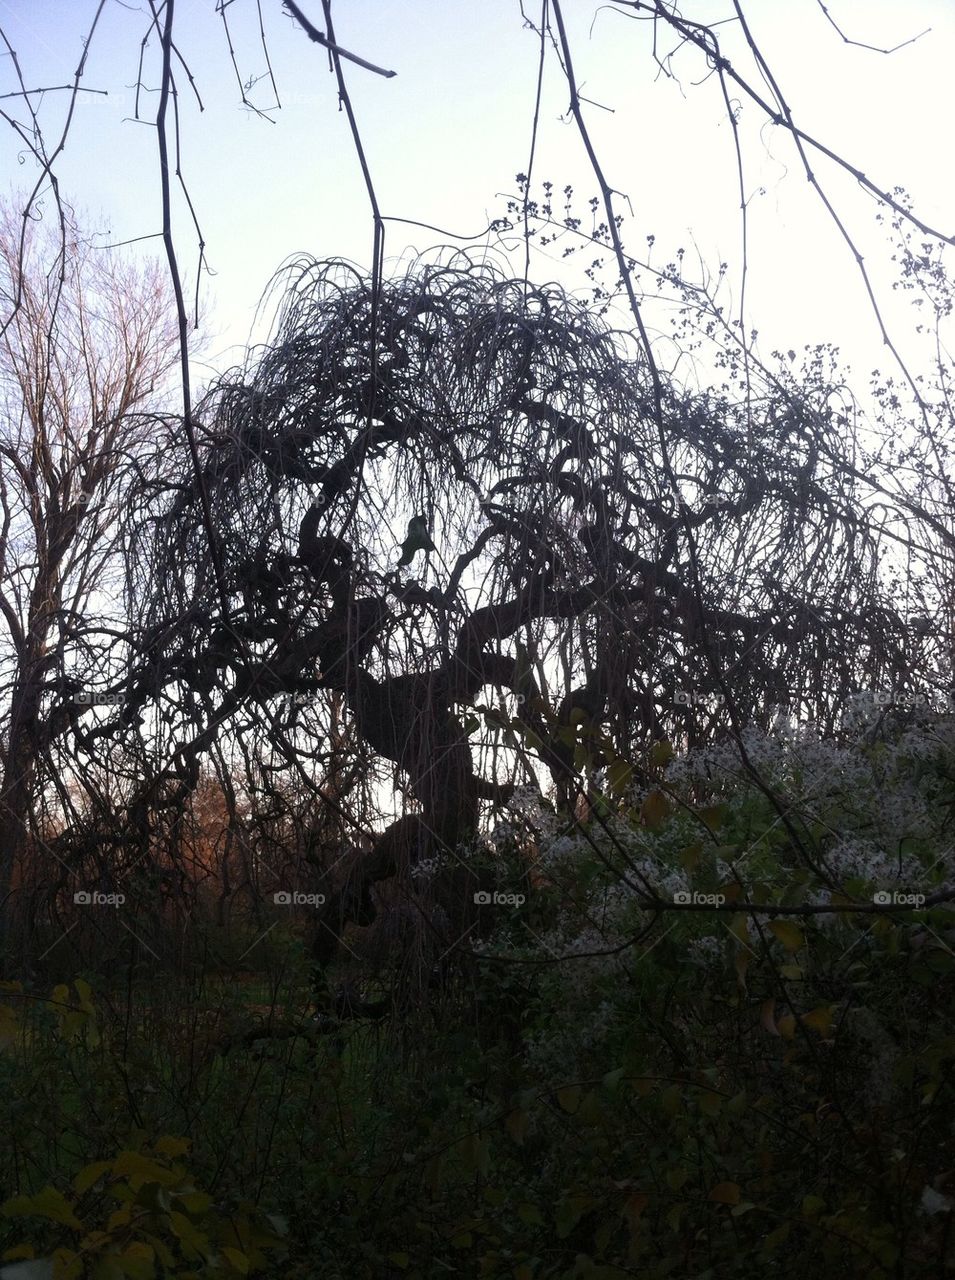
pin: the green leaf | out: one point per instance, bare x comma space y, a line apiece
530, 1215
619, 776
713, 815
661, 753
691, 855
418, 539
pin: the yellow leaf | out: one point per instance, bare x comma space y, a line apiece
619, 776
195, 1202
188, 1234
710, 1103
569, 1097
92, 1173
671, 1099
788, 934
18, 1251
820, 1019
172, 1147
238, 1260
48, 1203
654, 809
140, 1169
725, 1193
85, 991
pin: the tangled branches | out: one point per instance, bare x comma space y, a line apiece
454, 484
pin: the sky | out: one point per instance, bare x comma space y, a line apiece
447, 134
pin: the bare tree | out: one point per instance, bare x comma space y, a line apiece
88, 341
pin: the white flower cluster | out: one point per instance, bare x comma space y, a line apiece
855, 858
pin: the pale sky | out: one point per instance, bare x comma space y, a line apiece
447, 134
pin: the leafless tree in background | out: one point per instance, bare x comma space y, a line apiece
90, 340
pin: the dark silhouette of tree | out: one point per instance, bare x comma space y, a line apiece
451, 484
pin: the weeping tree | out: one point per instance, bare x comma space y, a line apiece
450, 504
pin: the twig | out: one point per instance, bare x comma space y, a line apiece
314, 34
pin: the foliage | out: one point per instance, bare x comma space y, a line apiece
617, 1092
